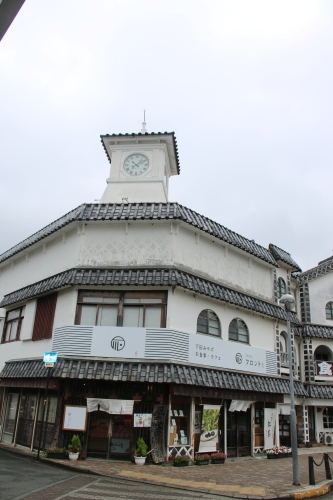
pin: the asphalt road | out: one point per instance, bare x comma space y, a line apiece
31, 480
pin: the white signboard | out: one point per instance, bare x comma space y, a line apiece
75, 418
205, 350
269, 427
125, 342
160, 343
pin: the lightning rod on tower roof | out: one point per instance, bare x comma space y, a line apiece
144, 130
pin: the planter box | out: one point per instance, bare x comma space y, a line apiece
56, 455
180, 464
218, 461
279, 455
273, 456
201, 462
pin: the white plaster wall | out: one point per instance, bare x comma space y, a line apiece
28, 320
66, 307
321, 292
184, 309
26, 348
40, 261
182, 313
23, 349
168, 244
122, 244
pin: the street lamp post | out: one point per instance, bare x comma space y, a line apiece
289, 302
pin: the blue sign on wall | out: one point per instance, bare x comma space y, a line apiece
50, 357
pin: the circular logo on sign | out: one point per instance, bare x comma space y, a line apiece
239, 358
117, 343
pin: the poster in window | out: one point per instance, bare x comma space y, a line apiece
142, 419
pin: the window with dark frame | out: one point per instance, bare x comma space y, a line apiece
328, 418
329, 310
322, 353
121, 308
238, 331
282, 289
13, 325
208, 323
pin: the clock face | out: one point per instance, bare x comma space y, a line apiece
136, 164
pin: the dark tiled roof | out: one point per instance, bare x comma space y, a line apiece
146, 134
324, 267
280, 254
320, 391
319, 331
145, 211
149, 372
325, 261
146, 277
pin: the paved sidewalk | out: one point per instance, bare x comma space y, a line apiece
251, 478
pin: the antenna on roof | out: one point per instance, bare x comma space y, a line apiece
144, 130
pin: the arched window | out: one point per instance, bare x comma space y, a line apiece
329, 310
323, 353
282, 289
284, 350
238, 331
283, 342
208, 323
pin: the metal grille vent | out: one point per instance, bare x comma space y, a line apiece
271, 364
72, 340
167, 344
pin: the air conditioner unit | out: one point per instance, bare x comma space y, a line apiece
328, 439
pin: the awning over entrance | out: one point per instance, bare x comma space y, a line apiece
236, 405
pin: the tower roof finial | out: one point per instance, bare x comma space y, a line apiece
144, 130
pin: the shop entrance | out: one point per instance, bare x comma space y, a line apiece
284, 430
239, 433
110, 436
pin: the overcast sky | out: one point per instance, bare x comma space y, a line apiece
246, 85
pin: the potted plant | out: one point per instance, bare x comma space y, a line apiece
202, 459
55, 452
140, 452
218, 457
180, 461
74, 448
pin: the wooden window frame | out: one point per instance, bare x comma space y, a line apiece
282, 289
208, 315
239, 323
122, 295
329, 310
10, 322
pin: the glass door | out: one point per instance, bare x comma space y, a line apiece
26, 419
238, 433
48, 422
10, 417
99, 434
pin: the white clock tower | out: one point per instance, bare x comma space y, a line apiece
141, 165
